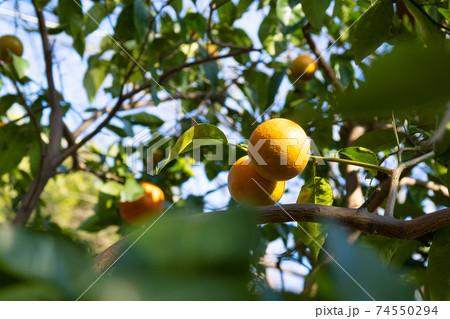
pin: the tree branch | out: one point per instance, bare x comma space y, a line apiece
357, 219
57, 113
328, 70
408, 181
176, 69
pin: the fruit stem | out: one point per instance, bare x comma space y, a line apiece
242, 147
355, 163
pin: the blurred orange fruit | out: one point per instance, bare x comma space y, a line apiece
146, 206
303, 68
11, 43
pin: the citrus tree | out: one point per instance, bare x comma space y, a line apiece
363, 214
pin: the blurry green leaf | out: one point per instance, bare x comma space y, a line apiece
131, 191
21, 66
315, 11
227, 13
111, 188
445, 13
353, 268
427, 30
14, 142
94, 76
41, 3
125, 28
379, 140
438, 276
372, 29
186, 258
142, 17
316, 190
144, 119
196, 136
442, 147
418, 80
71, 16
211, 72
361, 154
45, 258
95, 15
270, 35
6, 101
274, 85
289, 15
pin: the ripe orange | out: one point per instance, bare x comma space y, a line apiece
149, 204
279, 149
245, 185
10, 42
303, 68
2, 124
212, 50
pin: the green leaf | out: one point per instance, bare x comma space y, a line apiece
41, 3
6, 101
379, 140
70, 13
14, 142
274, 85
316, 190
125, 28
437, 274
361, 154
427, 30
21, 66
142, 17
358, 274
372, 29
287, 14
205, 134
131, 191
270, 35
211, 72
445, 13
95, 15
186, 258
144, 119
54, 260
400, 82
315, 11
94, 76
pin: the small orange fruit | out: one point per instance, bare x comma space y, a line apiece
303, 68
246, 186
279, 149
11, 43
149, 204
2, 124
212, 50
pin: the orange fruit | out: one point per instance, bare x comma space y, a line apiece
2, 124
279, 149
212, 50
303, 68
11, 43
246, 186
149, 204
